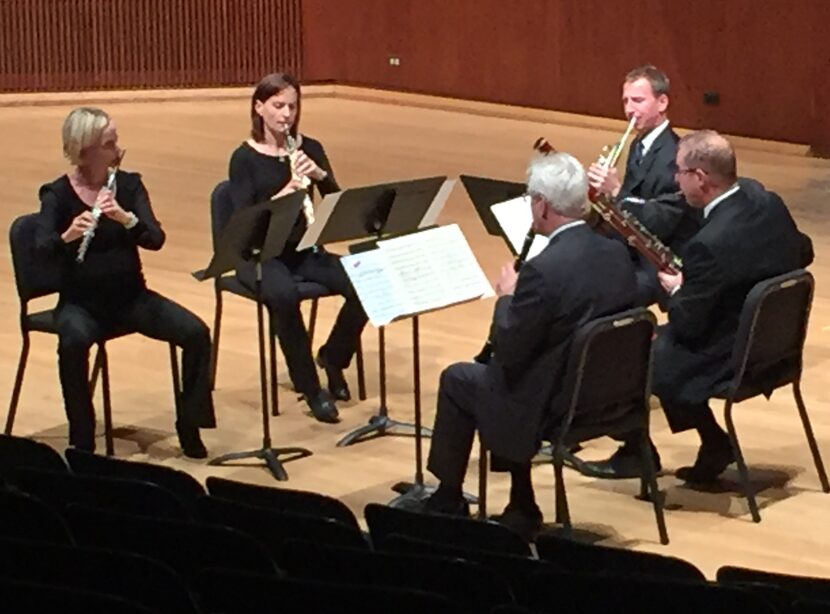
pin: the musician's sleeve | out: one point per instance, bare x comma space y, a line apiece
147, 233
242, 190
691, 308
51, 223
329, 183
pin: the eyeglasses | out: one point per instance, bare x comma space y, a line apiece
684, 171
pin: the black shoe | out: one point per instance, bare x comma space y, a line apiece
190, 441
436, 505
322, 406
337, 382
712, 460
625, 463
525, 521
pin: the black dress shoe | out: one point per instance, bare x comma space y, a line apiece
623, 464
337, 382
322, 406
190, 441
526, 522
712, 460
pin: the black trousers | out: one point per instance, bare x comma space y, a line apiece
280, 294
82, 325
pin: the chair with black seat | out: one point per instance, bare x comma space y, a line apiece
606, 592
181, 484
275, 528
220, 590
119, 574
514, 568
588, 558
803, 587
476, 586
27, 597
131, 496
23, 516
16, 452
187, 547
462, 532
282, 499
37, 277
606, 388
768, 354
221, 208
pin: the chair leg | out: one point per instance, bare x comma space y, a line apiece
563, 515
272, 366
312, 321
214, 347
177, 382
746, 485
96, 370
483, 468
656, 493
361, 373
18, 384
105, 392
811, 438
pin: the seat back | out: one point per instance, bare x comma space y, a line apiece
23, 516
118, 574
34, 274
607, 378
181, 484
221, 208
771, 333
130, 496
462, 532
282, 499
589, 558
805, 587
17, 452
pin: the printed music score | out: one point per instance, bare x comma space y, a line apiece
415, 273
515, 218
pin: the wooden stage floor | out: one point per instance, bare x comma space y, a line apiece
182, 148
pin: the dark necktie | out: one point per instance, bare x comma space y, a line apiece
637, 153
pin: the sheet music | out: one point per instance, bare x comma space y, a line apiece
437, 204
416, 273
515, 218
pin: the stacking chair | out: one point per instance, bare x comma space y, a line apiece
27, 597
181, 484
283, 500
23, 516
119, 574
130, 496
221, 208
36, 277
465, 533
607, 388
768, 355
803, 587
589, 558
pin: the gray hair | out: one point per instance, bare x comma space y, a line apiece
561, 181
82, 128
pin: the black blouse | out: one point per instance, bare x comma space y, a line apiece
111, 271
255, 177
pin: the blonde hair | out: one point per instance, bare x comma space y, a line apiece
82, 128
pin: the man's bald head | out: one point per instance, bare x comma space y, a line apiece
710, 152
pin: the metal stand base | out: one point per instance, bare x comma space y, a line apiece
378, 426
269, 455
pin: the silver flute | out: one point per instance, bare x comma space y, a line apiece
96, 212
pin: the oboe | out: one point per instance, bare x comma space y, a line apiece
96, 210
291, 148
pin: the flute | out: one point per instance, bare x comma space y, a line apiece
96, 210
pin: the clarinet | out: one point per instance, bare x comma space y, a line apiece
96, 213
486, 352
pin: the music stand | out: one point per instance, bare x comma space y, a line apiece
374, 212
256, 234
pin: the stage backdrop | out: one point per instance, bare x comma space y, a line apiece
767, 60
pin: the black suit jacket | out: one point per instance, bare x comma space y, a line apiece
654, 176
579, 276
745, 239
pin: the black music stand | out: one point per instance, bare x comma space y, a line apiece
484, 193
256, 234
375, 212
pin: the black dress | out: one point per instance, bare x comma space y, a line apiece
106, 295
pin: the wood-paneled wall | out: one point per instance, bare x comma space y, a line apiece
765, 58
64, 45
